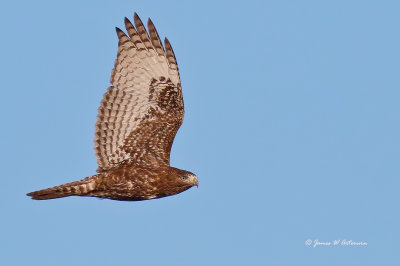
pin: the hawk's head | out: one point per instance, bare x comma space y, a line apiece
190, 178
184, 178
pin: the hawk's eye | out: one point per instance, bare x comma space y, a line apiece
184, 177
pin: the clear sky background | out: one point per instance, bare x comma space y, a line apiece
292, 126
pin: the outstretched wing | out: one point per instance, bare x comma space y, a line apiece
143, 109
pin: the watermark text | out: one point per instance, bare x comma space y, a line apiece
334, 243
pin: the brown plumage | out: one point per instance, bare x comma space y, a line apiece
136, 124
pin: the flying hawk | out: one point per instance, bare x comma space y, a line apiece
137, 121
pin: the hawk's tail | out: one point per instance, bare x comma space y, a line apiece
77, 188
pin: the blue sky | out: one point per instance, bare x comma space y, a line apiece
292, 126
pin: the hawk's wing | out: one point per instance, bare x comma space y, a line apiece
141, 113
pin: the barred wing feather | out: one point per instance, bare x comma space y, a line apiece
141, 112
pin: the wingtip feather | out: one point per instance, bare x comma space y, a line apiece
118, 31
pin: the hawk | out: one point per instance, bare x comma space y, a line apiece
137, 121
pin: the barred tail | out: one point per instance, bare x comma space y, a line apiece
77, 188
